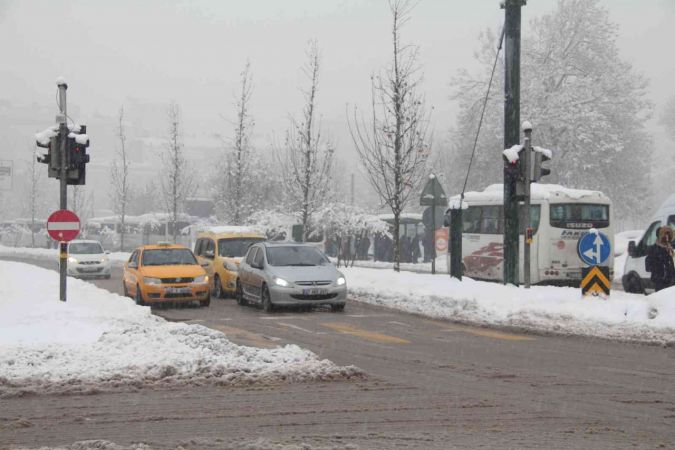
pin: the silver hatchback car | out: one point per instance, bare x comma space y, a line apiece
280, 274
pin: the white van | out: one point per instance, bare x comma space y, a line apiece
635, 278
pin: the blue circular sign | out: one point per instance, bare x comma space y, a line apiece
594, 248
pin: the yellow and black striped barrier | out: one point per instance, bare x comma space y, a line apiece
595, 281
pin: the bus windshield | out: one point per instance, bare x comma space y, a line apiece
579, 215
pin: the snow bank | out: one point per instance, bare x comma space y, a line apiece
101, 341
53, 254
543, 309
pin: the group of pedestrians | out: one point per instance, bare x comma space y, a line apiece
659, 261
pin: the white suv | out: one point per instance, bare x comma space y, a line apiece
88, 259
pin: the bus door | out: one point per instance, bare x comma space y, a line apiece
482, 243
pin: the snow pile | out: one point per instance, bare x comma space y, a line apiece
542, 308
101, 341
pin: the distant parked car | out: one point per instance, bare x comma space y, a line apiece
278, 274
87, 259
165, 273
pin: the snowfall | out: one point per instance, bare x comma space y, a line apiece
99, 341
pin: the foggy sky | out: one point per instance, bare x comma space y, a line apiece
143, 54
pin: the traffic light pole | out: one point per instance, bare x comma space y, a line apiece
526, 160
63, 179
511, 135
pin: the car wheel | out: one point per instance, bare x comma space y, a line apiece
239, 294
337, 307
217, 287
266, 301
139, 296
633, 284
206, 302
124, 289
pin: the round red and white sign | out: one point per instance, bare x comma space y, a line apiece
63, 225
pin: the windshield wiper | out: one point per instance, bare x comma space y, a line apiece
302, 264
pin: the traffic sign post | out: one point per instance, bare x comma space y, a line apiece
433, 195
63, 226
594, 250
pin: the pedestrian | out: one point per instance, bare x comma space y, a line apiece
660, 259
415, 249
364, 246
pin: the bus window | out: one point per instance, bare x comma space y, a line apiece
579, 215
471, 219
490, 219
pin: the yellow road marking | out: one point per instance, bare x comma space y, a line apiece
244, 335
369, 335
499, 335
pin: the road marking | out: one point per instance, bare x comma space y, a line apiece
393, 322
283, 317
244, 335
368, 335
492, 334
295, 327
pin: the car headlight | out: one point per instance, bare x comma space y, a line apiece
151, 280
340, 281
72, 260
231, 266
280, 282
202, 279
104, 260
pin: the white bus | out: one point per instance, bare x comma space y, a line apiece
559, 217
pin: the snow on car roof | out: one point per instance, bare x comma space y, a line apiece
232, 229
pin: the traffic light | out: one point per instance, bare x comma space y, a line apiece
50, 140
77, 156
541, 155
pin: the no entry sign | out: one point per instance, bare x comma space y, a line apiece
63, 225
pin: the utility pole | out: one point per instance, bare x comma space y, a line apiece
63, 180
511, 135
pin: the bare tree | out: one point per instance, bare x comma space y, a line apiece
235, 194
178, 181
393, 145
120, 193
308, 160
34, 194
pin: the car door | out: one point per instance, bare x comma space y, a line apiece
258, 272
245, 271
130, 276
208, 256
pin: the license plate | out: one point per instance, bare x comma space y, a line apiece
89, 269
178, 290
314, 291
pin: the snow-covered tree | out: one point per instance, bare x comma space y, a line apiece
276, 225
307, 159
120, 179
667, 119
583, 100
393, 144
177, 180
346, 223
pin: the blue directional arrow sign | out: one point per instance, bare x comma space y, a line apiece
594, 248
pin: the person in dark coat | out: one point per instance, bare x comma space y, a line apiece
660, 260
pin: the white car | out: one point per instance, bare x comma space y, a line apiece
87, 259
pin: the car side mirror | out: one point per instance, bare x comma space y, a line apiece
107, 252
132, 265
204, 264
209, 254
632, 249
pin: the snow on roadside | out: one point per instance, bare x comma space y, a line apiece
53, 254
100, 341
551, 309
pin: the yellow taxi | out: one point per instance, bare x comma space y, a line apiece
165, 273
220, 250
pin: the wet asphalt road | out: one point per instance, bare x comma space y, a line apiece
432, 384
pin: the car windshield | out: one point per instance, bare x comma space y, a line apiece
168, 257
295, 256
236, 248
85, 248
